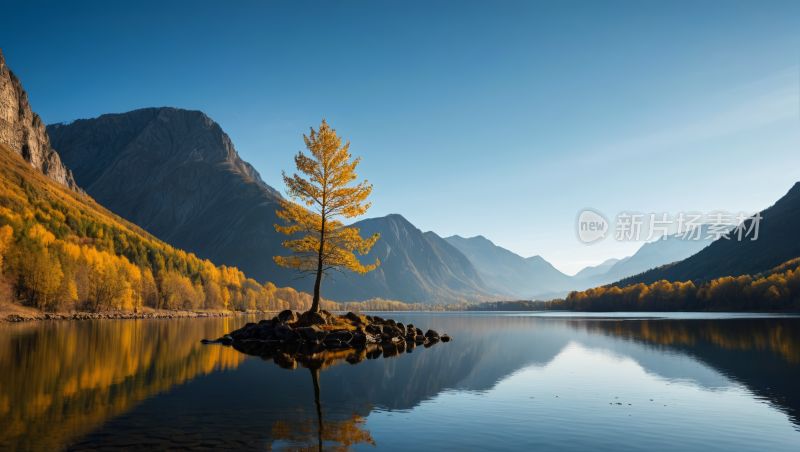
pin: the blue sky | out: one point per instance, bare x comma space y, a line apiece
500, 119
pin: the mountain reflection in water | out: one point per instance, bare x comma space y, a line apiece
151, 384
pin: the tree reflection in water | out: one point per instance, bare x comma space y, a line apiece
304, 434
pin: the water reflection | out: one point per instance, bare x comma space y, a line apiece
122, 384
762, 354
59, 380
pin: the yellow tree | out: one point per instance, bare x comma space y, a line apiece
327, 244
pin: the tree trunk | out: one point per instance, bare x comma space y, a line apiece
315, 303
318, 282
315, 380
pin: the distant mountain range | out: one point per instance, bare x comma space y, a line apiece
534, 278
778, 242
176, 174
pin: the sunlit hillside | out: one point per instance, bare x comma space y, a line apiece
61, 251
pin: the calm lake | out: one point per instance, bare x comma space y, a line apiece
508, 381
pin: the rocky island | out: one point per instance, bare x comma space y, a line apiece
314, 332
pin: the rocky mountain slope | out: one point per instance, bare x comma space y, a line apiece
23, 131
176, 173
778, 242
505, 272
415, 267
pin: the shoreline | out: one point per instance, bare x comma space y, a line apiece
19, 317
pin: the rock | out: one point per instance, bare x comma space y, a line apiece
373, 329
340, 335
263, 322
358, 339
369, 319
390, 322
445, 338
313, 334
402, 328
378, 320
388, 330
24, 132
432, 335
287, 316
353, 318
275, 322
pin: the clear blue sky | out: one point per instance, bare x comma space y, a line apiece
500, 119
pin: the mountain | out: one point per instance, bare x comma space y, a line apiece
23, 131
505, 272
777, 242
508, 273
176, 173
654, 254
598, 269
415, 267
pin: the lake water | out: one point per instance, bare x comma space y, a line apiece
508, 381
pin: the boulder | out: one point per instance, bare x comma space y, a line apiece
313, 334
353, 318
419, 332
369, 319
373, 329
401, 327
264, 321
390, 322
378, 320
340, 335
387, 330
432, 335
287, 316
445, 338
359, 338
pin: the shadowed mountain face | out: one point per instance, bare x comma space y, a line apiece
175, 173
778, 242
415, 267
505, 272
24, 132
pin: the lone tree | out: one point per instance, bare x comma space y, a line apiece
327, 244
